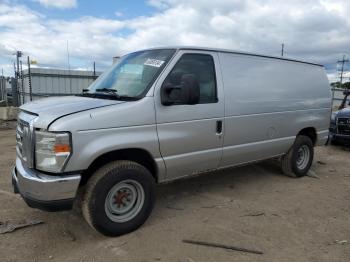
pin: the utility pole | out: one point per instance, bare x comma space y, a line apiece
17, 73
94, 68
29, 79
18, 55
282, 50
70, 78
22, 83
343, 61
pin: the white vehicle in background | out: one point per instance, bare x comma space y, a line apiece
162, 114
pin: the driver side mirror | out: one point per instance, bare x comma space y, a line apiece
186, 93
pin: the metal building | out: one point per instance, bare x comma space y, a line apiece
44, 82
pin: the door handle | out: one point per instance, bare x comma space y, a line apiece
219, 127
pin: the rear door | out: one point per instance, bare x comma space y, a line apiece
191, 136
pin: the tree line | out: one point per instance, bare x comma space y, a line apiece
345, 85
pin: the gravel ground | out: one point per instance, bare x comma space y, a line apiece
255, 207
4, 125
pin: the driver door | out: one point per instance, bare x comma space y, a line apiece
191, 136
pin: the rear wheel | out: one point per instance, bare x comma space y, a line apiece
298, 160
119, 198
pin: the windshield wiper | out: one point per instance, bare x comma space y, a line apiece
107, 90
111, 93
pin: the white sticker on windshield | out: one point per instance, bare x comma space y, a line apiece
154, 62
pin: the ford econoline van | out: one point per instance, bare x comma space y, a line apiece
163, 114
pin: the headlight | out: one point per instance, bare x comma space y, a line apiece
333, 117
52, 150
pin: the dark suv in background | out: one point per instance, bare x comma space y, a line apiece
340, 126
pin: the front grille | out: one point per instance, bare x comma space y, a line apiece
344, 126
19, 138
24, 142
22, 137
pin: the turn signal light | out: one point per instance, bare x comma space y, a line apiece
62, 148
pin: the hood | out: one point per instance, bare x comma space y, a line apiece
344, 112
50, 109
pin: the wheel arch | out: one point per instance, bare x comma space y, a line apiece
138, 155
309, 132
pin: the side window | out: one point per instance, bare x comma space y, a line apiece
202, 66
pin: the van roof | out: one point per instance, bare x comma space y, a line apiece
197, 48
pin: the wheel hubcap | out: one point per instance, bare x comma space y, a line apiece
303, 157
124, 201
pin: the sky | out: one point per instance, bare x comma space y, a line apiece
312, 30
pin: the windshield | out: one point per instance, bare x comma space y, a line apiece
132, 76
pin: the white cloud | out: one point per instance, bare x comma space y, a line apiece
158, 4
335, 76
118, 13
316, 30
61, 4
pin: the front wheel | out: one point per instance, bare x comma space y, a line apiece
119, 198
298, 160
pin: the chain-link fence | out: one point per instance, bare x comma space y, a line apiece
3, 89
338, 95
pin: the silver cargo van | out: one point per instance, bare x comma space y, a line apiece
163, 114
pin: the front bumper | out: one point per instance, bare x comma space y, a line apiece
51, 193
339, 138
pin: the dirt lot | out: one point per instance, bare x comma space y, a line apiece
254, 207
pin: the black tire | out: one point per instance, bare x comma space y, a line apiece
98, 188
289, 161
